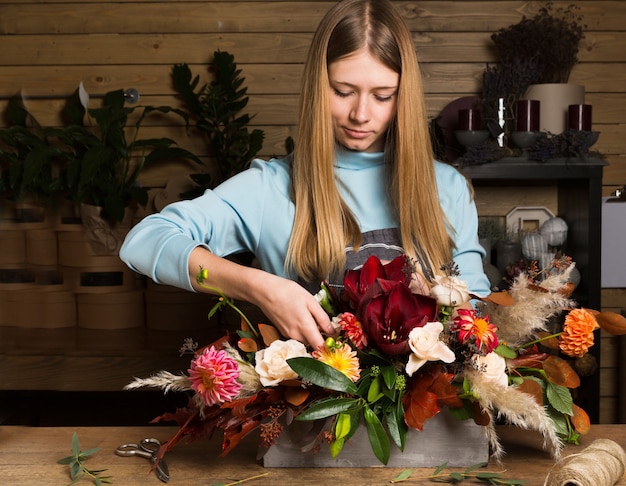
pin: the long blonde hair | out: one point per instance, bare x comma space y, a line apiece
324, 226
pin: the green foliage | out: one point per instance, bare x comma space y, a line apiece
27, 157
377, 400
454, 477
105, 161
78, 470
217, 107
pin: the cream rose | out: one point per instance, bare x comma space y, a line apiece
450, 291
491, 368
271, 362
426, 346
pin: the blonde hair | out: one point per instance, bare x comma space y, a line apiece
324, 226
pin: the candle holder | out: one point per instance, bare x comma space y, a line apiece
524, 140
470, 138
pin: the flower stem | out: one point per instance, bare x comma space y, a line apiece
544, 338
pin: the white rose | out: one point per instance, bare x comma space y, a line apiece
271, 362
450, 291
426, 346
491, 368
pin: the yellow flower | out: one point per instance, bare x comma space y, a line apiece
342, 358
577, 336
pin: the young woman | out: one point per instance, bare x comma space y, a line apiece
361, 181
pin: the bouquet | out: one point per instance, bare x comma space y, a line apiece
397, 359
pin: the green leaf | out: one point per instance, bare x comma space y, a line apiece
89, 452
322, 375
374, 392
404, 475
377, 436
66, 460
396, 425
559, 397
505, 351
343, 425
329, 407
389, 376
335, 447
75, 444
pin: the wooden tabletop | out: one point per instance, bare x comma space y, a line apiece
28, 456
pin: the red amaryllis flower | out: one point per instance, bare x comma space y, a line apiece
389, 312
470, 325
357, 282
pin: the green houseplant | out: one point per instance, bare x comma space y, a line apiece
216, 108
29, 161
106, 154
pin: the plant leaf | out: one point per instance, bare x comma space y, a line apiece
328, 407
377, 436
559, 397
321, 374
559, 371
269, 333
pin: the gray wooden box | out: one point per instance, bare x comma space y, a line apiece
444, 439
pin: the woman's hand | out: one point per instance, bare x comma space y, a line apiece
290, 307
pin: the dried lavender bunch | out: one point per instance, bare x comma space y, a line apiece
551, 39
569, 144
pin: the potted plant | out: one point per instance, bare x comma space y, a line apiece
545, 47
106, 160
28, 165
216, 108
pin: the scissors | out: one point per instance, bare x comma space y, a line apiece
148, 449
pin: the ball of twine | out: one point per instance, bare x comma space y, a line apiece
602, 463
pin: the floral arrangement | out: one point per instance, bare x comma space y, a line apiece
397, 359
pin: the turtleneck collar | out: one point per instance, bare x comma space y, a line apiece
348, 159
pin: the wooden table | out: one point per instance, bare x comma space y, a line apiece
28, 457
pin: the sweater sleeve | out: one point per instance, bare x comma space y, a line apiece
226, 220
460, 209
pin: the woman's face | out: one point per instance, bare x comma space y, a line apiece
363, 101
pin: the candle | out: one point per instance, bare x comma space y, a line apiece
469, 119
580, 117
528, 115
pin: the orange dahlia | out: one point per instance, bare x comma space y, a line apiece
577, 335
341, 357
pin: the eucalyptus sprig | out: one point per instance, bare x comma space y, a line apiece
78, 470
471, 473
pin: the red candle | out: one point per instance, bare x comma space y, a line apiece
580, 117
528, 115
469, 119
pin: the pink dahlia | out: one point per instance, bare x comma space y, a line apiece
213, 376
471, 326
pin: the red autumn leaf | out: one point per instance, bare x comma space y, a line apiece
232, 436
534, 360
479, 415
580, 420
269, 333
552, 342
533, 389
248, 345
447, 394
559, 372
419, 403
296, 396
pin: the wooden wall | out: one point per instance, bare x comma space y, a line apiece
47, 47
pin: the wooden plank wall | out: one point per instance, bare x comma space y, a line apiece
47, 47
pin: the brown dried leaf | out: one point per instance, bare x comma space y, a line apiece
269, 333
611, 322
500, 298
580, 420
533, 389
296, 396
248, 345
559, 372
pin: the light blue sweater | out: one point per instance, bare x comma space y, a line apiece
252, 211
